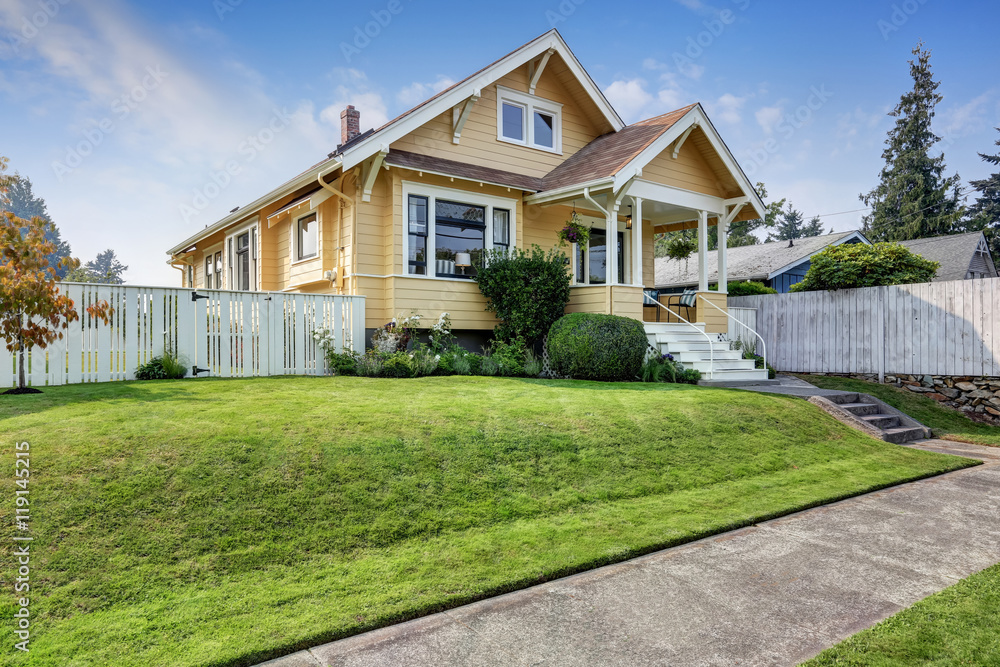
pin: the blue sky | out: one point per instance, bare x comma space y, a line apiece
125, 115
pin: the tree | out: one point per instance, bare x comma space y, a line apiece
791, 225
813, 228
5, 180
32, 311
104, 269
985, 213
913, 198
23, 203
860, 265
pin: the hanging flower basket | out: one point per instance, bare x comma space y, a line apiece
574, 232
681, 247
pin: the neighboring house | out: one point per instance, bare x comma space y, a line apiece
400, 214
961, 256
779, 264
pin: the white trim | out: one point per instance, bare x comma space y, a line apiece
432, 193
460, 115
253, 228
696, 116
570, 191
293, 243
853, 235
536, 71
530, 104
610, 246
398, 129
669, 194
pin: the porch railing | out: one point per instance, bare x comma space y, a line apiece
763, 345
711, 348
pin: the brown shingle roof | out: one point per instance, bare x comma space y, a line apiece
471, 172
607, 154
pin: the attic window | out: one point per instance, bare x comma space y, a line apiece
529, 121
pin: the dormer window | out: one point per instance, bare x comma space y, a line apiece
529, 121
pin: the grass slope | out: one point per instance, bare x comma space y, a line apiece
958, 626
223, 522
945, 422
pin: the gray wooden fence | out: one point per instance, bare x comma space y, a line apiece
945, 328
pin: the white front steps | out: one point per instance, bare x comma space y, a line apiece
688, 345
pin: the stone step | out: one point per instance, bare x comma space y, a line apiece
727, 375
861, 409
903, 434
722, 365
882, 421
685, 356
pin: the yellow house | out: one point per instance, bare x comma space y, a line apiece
500, 159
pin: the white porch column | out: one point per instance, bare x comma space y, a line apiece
611, 253
637, 241
723, 250
702, 251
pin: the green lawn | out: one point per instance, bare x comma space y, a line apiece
958, 626
223, 522
945, 422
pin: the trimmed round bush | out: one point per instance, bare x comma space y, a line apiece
586, 346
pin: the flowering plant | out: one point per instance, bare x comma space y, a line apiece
574, 231
441, 337
396, 335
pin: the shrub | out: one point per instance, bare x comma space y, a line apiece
165, 367
532, 364
461, 364
597, 347
488, 365
475, 362
343, 363
509, 357
858, 265
369, 365
689, 376
527, 290
748, 288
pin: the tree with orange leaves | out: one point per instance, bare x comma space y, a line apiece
32, 311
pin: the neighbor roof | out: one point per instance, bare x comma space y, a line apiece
752, 262
954, 253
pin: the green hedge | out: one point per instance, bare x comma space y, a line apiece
585, 346
858, 265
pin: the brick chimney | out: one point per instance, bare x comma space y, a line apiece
350, 124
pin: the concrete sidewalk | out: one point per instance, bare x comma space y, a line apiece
773, 594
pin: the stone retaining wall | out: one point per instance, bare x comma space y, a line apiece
969, 394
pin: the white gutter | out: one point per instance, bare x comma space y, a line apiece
569, 190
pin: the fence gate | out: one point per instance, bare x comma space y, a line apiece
216, 333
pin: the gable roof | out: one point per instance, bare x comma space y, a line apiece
356, 152
608, 154
953, 252
753, 262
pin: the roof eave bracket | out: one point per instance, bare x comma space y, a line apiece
681, 139
371, 170
460, 114
535, 72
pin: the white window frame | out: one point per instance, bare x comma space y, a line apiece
210, 254
530, 104
294, 242
601, 223
229, 255
433, 193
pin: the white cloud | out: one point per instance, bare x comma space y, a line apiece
371, 105
418, 92
768, 118
728, 108
672, 98
630, 98
965, 119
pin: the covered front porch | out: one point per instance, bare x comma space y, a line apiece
620, 282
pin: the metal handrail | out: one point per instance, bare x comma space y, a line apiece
763, 345
711, 349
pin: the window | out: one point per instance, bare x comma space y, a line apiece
528, 120
209, 272
460, 238
592, 261
218, 270
417, 222
447, 231
242, 249
501, 228
513, 122
306, 237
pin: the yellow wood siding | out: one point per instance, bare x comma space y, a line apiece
715, 322
479, 144
626, 302
430, 297
690, 171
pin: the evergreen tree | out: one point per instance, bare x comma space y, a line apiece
985, 212
913, 198
813, 228
105, 268
23, 203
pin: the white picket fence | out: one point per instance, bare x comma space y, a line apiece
216, 333
945, 328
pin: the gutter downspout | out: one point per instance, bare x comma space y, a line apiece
340, 222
